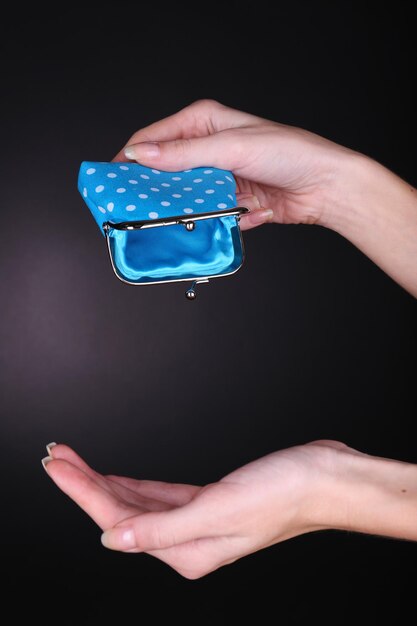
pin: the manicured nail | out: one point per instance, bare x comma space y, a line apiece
45, 461
142, 150
119, 539
49, 446
130, 153
262, 216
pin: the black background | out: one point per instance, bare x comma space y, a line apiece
309, 340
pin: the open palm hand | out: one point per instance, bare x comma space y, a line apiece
198, 529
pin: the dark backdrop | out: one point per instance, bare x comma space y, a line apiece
309, 340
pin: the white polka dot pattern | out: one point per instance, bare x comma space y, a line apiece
123, 192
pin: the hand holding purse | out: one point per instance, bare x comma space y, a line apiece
165, 226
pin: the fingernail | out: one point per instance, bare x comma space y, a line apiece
142, 150
49, 446
129, 153
45, 461
259, 217
119, 539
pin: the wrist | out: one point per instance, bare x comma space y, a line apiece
367, 494
376, 211
353, 192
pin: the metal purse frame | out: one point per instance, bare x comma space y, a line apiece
189, 224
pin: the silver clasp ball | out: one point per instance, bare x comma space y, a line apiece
190, 294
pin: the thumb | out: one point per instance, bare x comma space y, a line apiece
153, 531
180, 154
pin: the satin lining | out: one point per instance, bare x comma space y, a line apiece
173, 253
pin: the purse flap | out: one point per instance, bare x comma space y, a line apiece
123, 192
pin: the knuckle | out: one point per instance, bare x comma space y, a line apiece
181, 147
331, 443
205, 115
207, 104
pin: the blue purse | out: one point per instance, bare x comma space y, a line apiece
165, 226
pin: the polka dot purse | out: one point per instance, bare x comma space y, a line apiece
165, 226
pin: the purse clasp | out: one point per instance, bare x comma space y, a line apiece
190, 223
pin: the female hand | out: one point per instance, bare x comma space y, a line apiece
284, 174
196, 530
291, 176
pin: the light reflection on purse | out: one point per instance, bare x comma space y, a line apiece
165, 226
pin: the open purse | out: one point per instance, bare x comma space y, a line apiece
165, 226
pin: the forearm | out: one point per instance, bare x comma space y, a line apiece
370, 495
377, 211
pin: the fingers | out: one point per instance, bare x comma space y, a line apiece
219, 150
123, 488
170, 493
180, 124
204, 133
101, 505
199, 119
154, 531
257, 216
65, 453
